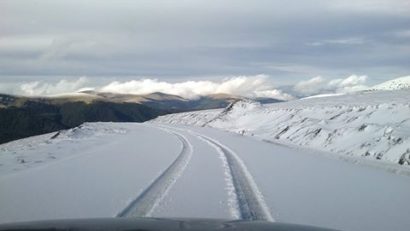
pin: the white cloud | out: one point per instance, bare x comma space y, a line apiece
349, 84
250, 86
37, 88
341, 41
310, 86
319, 85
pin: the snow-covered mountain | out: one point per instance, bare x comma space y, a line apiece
394, 84
373, 125
22, 116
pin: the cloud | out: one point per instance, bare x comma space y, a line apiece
251, 86
349, 84
37, 88
311, 86
372, 6
203, 38
341, 41
248, 86
320, 85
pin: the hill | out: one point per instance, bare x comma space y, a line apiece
394, 84
373, 125
27, 116
34, 118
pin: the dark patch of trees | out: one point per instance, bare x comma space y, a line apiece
35, 118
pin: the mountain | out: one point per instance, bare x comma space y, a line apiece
394, 84
156, 100
173, 102
27, 116
36, 117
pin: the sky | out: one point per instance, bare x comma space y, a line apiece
286, 48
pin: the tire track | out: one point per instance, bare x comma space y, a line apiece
250, 202
148, 200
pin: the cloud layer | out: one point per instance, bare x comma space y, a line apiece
249, 86
320, 85
286, 40
253, 86
37, 88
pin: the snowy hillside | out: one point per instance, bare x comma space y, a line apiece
394, 84
372, 125
39, 150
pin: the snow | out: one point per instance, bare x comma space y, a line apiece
366, 125
394, 84
39, 150
323, 95
101, 169
248, 161
205, 185
97, 178
305, 188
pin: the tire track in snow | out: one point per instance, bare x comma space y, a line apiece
148, 200
250, 202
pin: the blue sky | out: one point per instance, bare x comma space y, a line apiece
288, 41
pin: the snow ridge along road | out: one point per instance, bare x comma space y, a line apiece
146, 202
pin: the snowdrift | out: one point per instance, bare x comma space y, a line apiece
394, 84
39, 150
370, 124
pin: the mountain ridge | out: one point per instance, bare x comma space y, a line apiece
22, 116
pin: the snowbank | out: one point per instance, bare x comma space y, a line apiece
394, 84
39, 150
373, 125
96, 170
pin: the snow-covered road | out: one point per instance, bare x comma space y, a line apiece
146, 202
164, 170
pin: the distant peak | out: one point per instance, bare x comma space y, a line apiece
394, 84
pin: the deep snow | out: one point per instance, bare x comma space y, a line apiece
95, 174
373, 125
103, 168
394, 84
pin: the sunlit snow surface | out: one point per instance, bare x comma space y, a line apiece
373, 125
